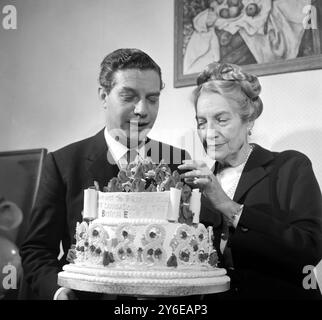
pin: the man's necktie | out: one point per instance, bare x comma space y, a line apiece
131, 155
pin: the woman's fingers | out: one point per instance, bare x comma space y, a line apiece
186, 167
192, 164
202, 181
199, 174
189, 180
193, 173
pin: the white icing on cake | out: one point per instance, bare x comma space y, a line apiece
144, 283
134, 205
156, 277
132, 242
144, 243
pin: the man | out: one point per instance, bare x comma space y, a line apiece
130, 86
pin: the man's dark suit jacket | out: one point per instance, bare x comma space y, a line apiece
67, 172
280, 229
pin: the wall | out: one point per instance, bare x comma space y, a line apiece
49, 68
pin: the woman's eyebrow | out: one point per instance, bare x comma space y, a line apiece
221, 113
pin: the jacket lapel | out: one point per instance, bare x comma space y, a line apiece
99, 163
254, 171
153, 149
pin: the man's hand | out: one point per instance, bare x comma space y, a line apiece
66, 294
71, 254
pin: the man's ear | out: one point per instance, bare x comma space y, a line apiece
103, 96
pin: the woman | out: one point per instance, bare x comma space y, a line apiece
270, 202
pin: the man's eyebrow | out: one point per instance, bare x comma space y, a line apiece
153, 94
131, 90
128, 90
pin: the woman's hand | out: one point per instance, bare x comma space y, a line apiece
201, 176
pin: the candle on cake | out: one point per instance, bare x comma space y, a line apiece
195, 204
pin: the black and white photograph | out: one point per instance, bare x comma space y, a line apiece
161, 156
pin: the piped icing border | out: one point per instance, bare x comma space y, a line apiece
133, 222
146, 274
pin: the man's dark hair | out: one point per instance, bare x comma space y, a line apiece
123, 59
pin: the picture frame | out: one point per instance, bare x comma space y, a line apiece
245, 48
20, 172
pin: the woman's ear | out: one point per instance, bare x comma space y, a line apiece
250, 126
103, 96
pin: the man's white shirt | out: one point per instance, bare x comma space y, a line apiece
119, 150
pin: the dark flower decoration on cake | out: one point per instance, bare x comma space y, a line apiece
194, 244
144, 176
172, 261
203, 256
185, 214
168, 183
108, 258
81, 231
155, 232
183, 233
125, 251
114, 185
154, 253
202, 233
97, 233
184, 252
213, 258
125, 232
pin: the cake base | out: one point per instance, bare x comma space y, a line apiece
143, 283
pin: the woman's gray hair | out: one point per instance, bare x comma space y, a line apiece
231, 82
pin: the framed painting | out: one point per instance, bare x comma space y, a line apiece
263, 36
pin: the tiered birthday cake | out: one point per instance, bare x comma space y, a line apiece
142, 235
